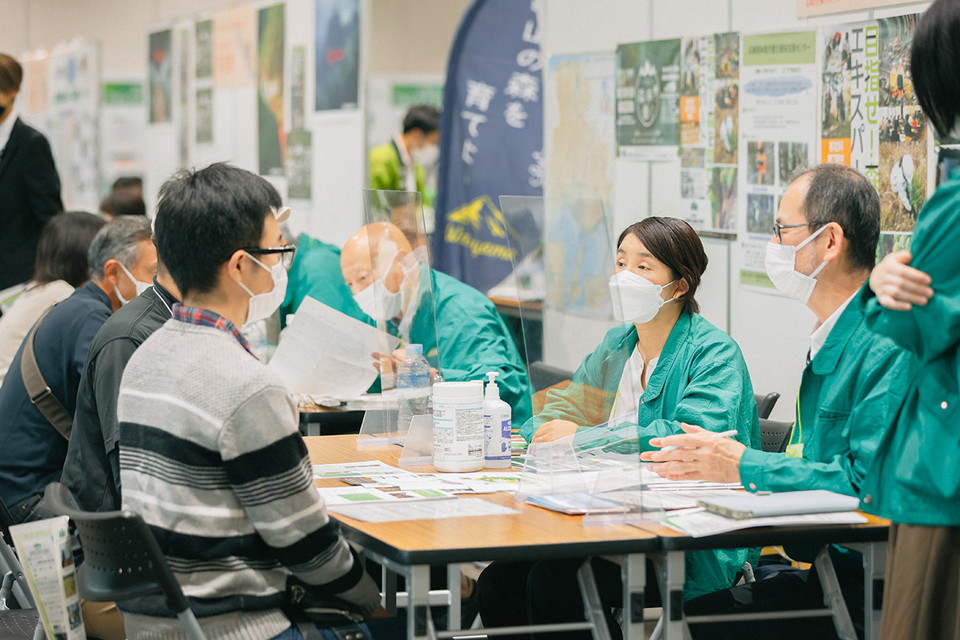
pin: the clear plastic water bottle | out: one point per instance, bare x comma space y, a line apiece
413, 381
256, 336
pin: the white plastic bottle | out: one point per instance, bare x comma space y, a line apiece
458, 426
496, 426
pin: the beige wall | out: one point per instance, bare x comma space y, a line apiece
408, 36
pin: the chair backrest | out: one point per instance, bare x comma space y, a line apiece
545, 375
121, 556
765, 403
774, 435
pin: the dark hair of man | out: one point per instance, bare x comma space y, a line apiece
11, 73
63, 246
421, 116
123, 202
935, 64
124, 182
674, 243
844, 195
204, 216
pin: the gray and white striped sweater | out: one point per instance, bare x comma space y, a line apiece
210, 456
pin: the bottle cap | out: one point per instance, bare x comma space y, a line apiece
493, 391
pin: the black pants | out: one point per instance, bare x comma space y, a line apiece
784, 591
29, 510
545, 592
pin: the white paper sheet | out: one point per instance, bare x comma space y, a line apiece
423, 510
699, 522
360, 495
328, 353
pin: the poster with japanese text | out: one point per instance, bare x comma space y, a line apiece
272, 133
709, 97
778, 129
648, 99
234, 46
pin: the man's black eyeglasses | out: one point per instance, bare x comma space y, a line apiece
286, 252
778, 228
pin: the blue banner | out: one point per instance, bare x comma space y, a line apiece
491, 135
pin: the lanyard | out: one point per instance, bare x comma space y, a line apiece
795, 449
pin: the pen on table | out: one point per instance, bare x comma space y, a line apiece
722, 434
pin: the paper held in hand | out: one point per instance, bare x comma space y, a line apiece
326, 352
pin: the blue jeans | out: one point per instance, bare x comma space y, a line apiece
292, 633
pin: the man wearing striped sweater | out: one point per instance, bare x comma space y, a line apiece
210, 454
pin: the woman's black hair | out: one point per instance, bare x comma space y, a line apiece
62, 248
935, 65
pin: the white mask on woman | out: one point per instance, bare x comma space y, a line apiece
780, 263
635, 299
262, 305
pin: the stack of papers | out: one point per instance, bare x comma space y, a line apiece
379, 475
700, 522
422, 510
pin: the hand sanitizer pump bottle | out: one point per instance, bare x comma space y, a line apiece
496, 426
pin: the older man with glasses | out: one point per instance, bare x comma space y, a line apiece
823, 247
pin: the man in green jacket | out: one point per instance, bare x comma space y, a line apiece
462, 334
315, 272
402, 163
823, 248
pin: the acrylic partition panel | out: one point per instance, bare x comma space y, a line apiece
386, 264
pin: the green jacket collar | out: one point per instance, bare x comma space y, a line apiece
678, 336
827, 359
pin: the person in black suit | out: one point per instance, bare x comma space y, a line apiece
29, 183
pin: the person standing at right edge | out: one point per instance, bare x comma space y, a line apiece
29, 183
915, 478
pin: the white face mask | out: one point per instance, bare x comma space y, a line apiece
426, 156
141, 286
781, 262
635, 299
378, 302
262, 305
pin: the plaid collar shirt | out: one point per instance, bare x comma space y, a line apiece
207, 318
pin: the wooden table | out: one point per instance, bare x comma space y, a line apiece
409, 547
868, 538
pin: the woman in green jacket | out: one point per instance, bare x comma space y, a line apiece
915, 478
666, 366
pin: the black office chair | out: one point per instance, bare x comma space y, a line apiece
22, 623
766, 403
121, 558
774, 436
545, 375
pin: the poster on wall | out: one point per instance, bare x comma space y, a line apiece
73, 124
579, 132
709, 115
36, 84
271, 132
203, 33
337, 54
122, 140
905, 143
299, 164
184, 76
807, 8
234, 42
778, 127
871, 121
160, 71
648, 109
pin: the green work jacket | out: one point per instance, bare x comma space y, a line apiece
701, 379
915, 478
463, 335
315, 272
848, 397
386, 170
